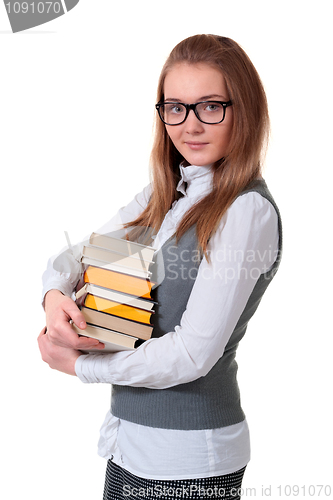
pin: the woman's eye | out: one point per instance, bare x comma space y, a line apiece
176, 109
212, 107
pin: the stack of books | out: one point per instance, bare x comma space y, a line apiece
116, 297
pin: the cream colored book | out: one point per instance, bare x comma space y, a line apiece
139, 273
114, 341
134, 261
116, 323
122, 246
121, 298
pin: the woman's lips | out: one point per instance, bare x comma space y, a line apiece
196, 145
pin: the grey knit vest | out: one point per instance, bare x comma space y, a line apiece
211, 401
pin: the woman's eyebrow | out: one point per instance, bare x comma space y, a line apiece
206, 97
203, 98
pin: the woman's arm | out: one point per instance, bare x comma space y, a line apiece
62, 275
244, 247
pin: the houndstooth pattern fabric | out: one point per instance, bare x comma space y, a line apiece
121, 485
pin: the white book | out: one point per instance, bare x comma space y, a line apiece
134, 261
120, 297
114, 341
122, 246
140, 273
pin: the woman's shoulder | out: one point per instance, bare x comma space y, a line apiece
254, 209
259, 187
254, 197
251, 222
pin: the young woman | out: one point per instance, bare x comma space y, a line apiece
176, 428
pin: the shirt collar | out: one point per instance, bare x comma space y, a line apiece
195, 179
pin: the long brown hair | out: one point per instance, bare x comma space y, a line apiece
249, 135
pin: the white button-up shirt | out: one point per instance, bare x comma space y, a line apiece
244, 246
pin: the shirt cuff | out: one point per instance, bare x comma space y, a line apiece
93, 368
65, 288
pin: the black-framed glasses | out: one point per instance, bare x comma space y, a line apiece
209, 112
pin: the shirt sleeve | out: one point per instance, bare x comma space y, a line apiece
64, 270
244, 246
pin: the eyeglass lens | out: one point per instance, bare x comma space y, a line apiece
208, 112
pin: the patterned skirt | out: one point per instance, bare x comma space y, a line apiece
121, 485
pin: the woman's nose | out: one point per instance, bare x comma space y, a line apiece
192, 124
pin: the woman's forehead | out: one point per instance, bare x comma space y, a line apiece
194, 81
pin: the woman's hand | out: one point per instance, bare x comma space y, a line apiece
59, 311
58, 358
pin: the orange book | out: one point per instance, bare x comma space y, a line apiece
125, 283
117, 309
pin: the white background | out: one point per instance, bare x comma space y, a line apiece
77, 107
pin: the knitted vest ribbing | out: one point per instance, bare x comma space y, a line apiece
211, 401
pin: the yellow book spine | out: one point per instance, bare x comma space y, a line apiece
117, 281
121, 310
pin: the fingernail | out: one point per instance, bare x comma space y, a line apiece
82, 324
